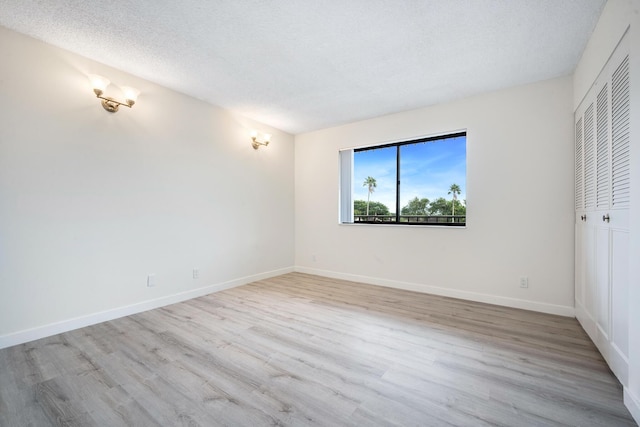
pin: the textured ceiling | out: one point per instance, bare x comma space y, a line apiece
301, 65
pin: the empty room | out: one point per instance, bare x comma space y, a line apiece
385, 213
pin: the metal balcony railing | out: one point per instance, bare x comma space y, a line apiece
455, 220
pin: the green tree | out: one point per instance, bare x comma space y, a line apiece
461, 208
416, 207
455, 190
375, 208
440, 206
371, 185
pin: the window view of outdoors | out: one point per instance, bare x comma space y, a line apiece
413, 182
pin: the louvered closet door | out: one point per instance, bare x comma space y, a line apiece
590, 231
599, 208
619, 207
585, 180
602, 201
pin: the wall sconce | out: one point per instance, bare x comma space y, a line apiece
256, 144
99, 84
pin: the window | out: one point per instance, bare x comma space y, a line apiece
419, 182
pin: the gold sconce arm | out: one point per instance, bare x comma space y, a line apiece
257, 143
110, 104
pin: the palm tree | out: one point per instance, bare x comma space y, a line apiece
455, 190
371, 184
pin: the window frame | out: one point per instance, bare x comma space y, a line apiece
346, 181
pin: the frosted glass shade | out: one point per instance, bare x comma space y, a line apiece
130, 94
98, 82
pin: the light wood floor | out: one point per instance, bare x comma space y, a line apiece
305, 350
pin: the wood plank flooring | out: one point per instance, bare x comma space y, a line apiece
305, 350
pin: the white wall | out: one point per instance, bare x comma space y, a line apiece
92, 202
612, 24
519, 197
617, 17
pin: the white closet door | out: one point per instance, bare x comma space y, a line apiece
602, 201
619, 217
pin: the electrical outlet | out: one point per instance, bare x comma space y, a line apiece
313, 258
196, 273
151, 280
524, 282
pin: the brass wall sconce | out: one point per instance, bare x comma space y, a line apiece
256, 143
99, 85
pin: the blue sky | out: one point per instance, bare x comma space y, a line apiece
427, 170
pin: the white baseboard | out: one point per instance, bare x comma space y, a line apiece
103, 316
561, 310
633, 404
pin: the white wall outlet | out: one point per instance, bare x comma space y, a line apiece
151, 280
314, 258
196, 273
524, 282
